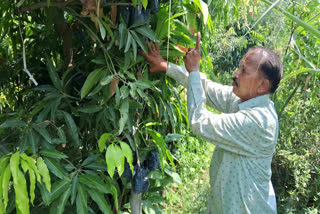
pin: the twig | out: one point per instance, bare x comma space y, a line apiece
24, 59
288, 100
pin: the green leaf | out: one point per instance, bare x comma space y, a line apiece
295, 19
147, 32
53, 74
91, 80
58, 188
148, 207
32, 164
106, 80
101, 201
102, 141
204, 9
129, 40
102, 29
124, 92
145, 4
43, 132
56, 168
32, 177
44, 172
138, 40
95, 182
82, 203
123, 35
106, 26
127, 152
114, 158
174, 175
75, 182
53, 154
72, 127
33, 140
19, 184
4, 182
13, 123
62, 202
173, 137
90, 109
124, 110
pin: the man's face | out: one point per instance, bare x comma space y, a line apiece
248, 80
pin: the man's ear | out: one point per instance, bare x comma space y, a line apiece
264, 86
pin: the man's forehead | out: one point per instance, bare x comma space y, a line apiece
253, 57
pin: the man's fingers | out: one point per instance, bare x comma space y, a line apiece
198, 41
157, 46
142, 53
149, 46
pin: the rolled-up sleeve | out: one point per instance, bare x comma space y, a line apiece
235, 132
217, 95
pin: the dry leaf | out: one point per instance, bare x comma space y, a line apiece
113, 86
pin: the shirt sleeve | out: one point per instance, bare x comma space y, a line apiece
235, 132
218, 96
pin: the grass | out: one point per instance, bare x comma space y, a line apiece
190, 197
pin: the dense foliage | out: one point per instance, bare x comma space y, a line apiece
84, 125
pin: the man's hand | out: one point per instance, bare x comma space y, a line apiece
193, 56
156, 61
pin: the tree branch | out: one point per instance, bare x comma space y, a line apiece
45, 4
64, 4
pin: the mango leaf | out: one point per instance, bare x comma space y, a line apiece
114, 158
56, 168
43, 132
174, 175
13, 123
32, 177
62, 202
53, 74
102, 29
90, 109
106, 26
127, 152
124, 111
32, 164
58, 188
95, 183
75, 182
106, 80
72, 127
53, 154
4, 182
33, 140
19, 184
123, 35
129, 40
147, 32
91, 80
102, 141
44, 172
101, 201
124, 92
82, 203
204, 9
138, 40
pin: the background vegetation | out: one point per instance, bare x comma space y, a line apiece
79, 109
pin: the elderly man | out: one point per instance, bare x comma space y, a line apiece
245, 134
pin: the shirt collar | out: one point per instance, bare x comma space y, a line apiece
254, 102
